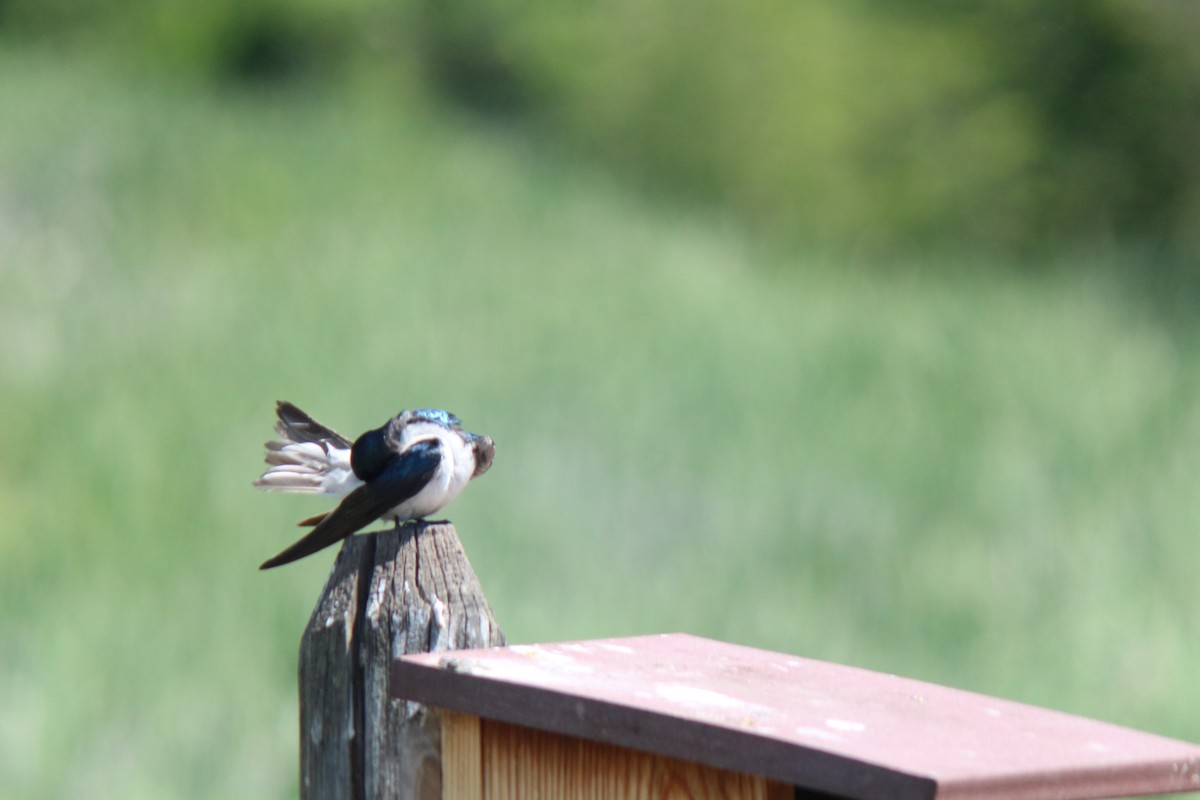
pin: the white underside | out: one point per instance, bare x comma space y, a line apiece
453, 473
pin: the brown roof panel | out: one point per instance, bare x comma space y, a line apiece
820, 726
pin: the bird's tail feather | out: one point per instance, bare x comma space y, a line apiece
294, 425
308, 457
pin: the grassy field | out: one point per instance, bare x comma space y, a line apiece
960, 473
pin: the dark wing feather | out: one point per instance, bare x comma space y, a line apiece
371, 454
300, 427
402, 479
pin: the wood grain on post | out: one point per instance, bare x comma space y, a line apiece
391, 593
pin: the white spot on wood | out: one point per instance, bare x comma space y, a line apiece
441, 614
376, 599
314, 730
695, 696
846, 725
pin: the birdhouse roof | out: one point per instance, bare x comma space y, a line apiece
812, 724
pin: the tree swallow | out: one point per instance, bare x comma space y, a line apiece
408, 468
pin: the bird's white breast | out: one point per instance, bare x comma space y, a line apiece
452, 474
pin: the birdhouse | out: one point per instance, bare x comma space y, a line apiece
676, 716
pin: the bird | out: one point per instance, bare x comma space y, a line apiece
408, 468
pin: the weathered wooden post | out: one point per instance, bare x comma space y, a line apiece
409, 590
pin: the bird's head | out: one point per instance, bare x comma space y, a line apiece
485, 450
435, 415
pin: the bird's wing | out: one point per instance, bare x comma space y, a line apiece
372, 453
297, 426
403, 478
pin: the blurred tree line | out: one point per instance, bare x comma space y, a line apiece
1014, 126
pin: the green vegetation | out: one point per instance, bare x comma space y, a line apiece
975, 475
1012, 126
1017, 127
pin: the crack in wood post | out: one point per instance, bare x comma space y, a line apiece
358, 755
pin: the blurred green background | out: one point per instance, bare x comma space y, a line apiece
860, 332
